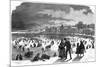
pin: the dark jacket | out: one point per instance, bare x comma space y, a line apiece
68, 45
62, 45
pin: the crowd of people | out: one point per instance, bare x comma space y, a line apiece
61, 48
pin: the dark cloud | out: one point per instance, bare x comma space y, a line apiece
25, 16
80, 7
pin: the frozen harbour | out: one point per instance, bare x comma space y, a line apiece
43, 34
89, 56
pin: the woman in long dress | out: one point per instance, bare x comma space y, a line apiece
62, 50
81, 48
77, 50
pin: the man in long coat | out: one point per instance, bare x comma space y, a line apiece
68, 48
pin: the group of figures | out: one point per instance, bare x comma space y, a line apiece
65, 48
60, 48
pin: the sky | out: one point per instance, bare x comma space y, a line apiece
71, 15
17, 3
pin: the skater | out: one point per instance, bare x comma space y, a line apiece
19, 57
62, 49
45, 57
68, 48
39, 44
77, 50
28, 54
81, 48
36, 58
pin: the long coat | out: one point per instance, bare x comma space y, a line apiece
62, 50
67, 45
80, 49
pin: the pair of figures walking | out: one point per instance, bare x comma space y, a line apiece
80, 49
64, 49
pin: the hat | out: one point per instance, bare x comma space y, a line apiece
65, 38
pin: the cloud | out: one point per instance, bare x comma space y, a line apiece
32, 15
78, 15
75, 14
81, 7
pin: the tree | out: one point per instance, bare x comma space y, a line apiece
80, 25
61, 27
91, 26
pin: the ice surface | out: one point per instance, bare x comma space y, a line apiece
88, 56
